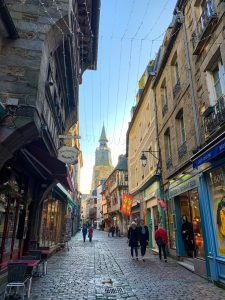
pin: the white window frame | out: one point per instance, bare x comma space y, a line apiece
211, 84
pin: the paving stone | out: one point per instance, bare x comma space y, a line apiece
88, 268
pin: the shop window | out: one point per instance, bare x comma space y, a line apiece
172, 224
217, 192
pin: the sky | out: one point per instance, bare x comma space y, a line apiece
130, 34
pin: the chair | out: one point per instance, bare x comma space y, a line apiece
44, 259
37, 255
18, 279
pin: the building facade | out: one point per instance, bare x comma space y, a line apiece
39, 102
144, 181
205, 29
115, 186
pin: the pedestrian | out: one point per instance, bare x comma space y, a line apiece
133, 239
84, 232
161, 241
143, 238
110, 231
113, 229
90, 233
187, 233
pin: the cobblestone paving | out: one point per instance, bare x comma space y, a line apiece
88, 269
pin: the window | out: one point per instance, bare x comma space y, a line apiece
164, 99
216, 82
167, 143
181, 128
177, 73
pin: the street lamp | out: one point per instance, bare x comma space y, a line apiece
143, 160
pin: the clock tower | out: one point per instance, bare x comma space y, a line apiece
103, 161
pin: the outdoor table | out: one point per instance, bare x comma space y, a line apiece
30, 262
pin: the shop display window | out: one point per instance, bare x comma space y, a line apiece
51, 222
172, 224
217, 192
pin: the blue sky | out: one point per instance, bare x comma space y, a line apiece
130, 33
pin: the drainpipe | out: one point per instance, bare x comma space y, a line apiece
190, 78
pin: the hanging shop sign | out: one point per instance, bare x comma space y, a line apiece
68, 155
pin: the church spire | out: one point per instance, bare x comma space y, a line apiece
103, 138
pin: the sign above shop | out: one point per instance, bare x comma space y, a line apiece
183, 187
69, 136
208, 155
68, 155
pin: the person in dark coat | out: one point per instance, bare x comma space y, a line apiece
187, 233
161, 241
133, 237
90, 233
113, 230
143, 238
84, 232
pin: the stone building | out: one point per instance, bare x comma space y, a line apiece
103, 161
45, 46
142, 140
115, 186
204, 22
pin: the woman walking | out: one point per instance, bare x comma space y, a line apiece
143, 238
133, 239
161, 241
90, 233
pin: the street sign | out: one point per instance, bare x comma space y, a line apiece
68, 155
69, 136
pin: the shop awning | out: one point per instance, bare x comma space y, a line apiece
47, 166
68, 196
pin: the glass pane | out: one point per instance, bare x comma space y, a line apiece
197, 226
217, 192
217, 83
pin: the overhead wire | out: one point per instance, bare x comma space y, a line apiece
142, 20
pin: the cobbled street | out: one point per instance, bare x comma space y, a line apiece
91, 270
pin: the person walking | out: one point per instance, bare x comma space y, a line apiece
133, 239
84, 232
161, 241
143, 238
90, 233
113, 230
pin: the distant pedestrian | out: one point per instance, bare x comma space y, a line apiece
90, 233
161, 241
113, 230
133, 239
84, 232
117, 230
143, 238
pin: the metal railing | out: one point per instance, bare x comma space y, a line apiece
176, 89
169, 163
208, 12
216, 117
165, 109
182, 150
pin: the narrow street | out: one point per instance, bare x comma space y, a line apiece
87, 270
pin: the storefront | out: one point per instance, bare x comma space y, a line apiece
184, 202
152, 214
53, 219
211, 164
13, 220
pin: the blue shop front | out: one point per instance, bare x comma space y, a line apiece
184, 200
210, 163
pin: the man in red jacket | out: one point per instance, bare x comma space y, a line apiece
161, 241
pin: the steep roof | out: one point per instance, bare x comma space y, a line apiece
122, 163
103, 137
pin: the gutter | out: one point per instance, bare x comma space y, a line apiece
8, 21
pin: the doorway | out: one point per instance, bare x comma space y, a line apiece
189, 207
